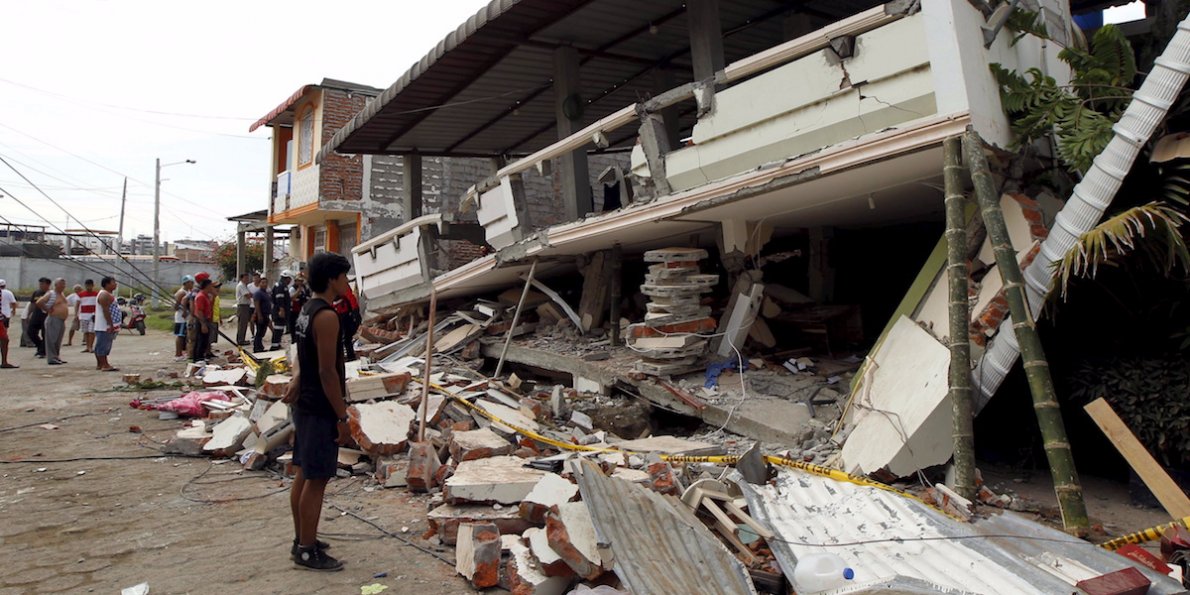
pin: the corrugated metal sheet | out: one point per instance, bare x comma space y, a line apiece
496, 70
811, 514
659, 545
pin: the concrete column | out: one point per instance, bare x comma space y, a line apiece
568, 106
268, 250
663, 80
411, 197
822, 274
241, 256
706, 37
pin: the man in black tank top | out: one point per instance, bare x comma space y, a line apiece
319, 411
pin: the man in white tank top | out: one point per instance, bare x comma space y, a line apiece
107, 324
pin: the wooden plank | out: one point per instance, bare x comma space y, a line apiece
1168, 493
592, 306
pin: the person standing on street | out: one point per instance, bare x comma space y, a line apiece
216, 317
107, 323
73, 301
203, 312
8, 307
262, 309
243, 308
301, 294
180, 316
281, 305
87, 314
347, 307
319, 411
36, 316
57, 311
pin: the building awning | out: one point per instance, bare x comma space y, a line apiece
485, 90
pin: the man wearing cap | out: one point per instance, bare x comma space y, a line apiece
8, 305
180, 315
281, 305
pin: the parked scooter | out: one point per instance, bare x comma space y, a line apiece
134, 313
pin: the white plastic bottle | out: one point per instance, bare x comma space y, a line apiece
817, 573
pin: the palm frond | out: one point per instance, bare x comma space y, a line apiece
1153, 229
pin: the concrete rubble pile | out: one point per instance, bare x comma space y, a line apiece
669, 338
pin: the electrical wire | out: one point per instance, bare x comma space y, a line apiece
134, 109
396, 536
26, 252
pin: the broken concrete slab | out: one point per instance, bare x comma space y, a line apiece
550, 562
478, 444
228, 436
446, 519
380, 428
550, 491
276, 414
477, 554
275, 385
377, 386
671, 445
508, 414
232, 376
504, 480
571, 534
189, 440
423, 466
526, 577
901, 414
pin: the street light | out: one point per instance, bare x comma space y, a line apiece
157, 225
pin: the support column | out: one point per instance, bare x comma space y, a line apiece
822, 275
267, 265
706, 37
663, 80
411, 197
241, 256
568, 109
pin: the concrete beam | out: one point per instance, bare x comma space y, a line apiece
568, 106
411, 196
654, 140
706, 37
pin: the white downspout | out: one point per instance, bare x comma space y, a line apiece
1091, 197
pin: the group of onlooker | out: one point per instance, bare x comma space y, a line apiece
53, 315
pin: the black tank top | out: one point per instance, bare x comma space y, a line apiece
311, 398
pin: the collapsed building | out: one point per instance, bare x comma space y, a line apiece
695, 211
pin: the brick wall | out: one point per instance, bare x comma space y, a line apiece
341, 176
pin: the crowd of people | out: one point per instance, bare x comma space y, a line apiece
53, 315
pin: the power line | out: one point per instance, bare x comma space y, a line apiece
134, 109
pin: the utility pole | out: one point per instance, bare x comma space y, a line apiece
156, 232
123, 201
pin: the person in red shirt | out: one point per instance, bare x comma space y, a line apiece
347, 307
203, 311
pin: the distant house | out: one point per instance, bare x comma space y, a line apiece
192, 251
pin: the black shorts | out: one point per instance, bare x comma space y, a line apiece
315, 446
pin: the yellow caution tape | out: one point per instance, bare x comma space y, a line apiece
834, 474
1144, 535
280, 364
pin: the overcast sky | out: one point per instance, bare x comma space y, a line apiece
91, 91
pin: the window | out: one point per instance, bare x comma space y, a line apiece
306, 137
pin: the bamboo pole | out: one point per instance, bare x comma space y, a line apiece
516, 317
963, 432
1041, 384
425, 386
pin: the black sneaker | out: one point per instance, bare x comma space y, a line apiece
318, 543
313, 558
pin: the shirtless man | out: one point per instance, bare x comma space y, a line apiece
107, 324
54, 304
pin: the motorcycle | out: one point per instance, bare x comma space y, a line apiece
134, 313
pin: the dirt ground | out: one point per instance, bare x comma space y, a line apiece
184, 525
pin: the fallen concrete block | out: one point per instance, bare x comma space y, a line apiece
507, 414
662, 478
275, 385
478, 444
525, 577
190, 440
231, 376
276, 414
446, 519
550, 491
423, 465
380, 428
366, 388
228, 436
670, 445
572, 535
390, 472
533, 408
504, 480
477, 554
550, 562
132, 379
582, 420
275, 436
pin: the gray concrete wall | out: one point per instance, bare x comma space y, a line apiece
22, 273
